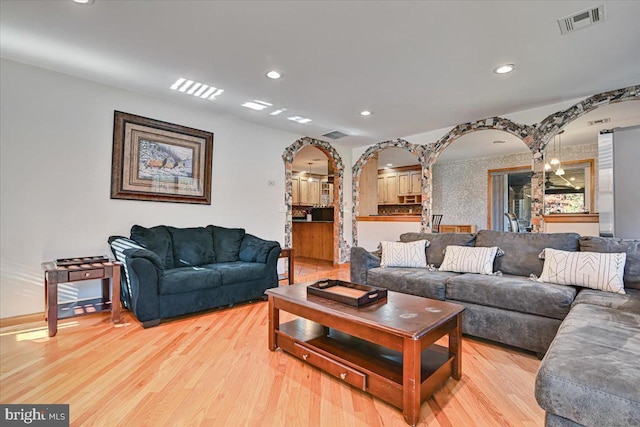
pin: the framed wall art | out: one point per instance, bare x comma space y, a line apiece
159, 161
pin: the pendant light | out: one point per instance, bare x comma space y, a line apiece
310, 178
559, 171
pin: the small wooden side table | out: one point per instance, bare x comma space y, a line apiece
108, 271
288, 253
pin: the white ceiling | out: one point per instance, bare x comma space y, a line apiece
418, 66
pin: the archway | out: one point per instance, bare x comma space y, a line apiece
340, 247
421, 153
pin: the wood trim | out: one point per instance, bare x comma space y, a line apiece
411, 168
572, 218
391, 218
22, 319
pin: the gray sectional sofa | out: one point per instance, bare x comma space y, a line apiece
590, 374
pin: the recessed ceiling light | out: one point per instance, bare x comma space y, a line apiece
274, 75
196, 89
278, 111
299, 119
256, 105
504, 69
87, 2
389, 164
365, 113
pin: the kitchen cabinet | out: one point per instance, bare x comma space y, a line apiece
458, 228
295, 190
314, 192
304, 191
313, 239
409, 183
388, 188
326, 193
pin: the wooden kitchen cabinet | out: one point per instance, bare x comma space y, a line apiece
295, 190
409, 182
388, 188
314, 192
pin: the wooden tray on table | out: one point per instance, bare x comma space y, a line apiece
347, 293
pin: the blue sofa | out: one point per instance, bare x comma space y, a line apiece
172, 271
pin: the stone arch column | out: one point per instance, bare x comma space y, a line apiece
554, 123
340, 246
422, 154
524, 132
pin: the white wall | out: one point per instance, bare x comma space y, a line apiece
56, 138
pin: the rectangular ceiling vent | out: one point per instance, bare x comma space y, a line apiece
336, 134
581, 19
598, 122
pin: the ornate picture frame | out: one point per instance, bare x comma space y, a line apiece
158, 161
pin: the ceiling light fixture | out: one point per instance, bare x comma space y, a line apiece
299, 119
257, 105
278, 111
85, 2
389, 164
365, 113
504, 69
199, 90
274, 75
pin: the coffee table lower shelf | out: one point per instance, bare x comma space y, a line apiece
362, 364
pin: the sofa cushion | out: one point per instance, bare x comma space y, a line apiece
594, 270
414, 281
156, 239
404, 254
254, 249
465, 259
438, 243
521, 250
188, 279
609, 244
239, 271
512, 293
226, 243
590, 374
629, 301
192, 246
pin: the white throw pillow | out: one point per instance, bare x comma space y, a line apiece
404, 254
595, 270
469, 259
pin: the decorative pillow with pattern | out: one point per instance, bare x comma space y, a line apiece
468, 259
595, 270
401, 254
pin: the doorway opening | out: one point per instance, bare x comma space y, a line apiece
509, 193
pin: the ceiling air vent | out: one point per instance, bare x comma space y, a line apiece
581, 19
336, 134
598, 122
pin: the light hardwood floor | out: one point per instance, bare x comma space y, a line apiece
214, 369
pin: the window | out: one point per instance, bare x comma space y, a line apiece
571, 192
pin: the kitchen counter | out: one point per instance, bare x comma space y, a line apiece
390, 218
313, 239
583, 224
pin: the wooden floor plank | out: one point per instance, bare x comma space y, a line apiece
215, 369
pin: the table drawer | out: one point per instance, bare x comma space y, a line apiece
337, 369
86, 274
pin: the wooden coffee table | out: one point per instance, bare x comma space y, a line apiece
385, 348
